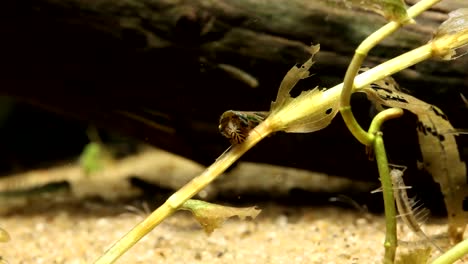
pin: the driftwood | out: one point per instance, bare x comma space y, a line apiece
164, 71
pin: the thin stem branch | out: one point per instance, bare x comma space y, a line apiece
391, 242
359, 56
185, 193
383, 116
345, 102
374, 137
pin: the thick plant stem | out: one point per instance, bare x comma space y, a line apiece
455, 253
390, 243
185, 193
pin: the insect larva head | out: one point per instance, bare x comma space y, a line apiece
236, 125
233, 127
225, 123
396, 173
237, 137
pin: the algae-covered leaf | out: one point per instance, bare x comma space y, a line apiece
394, 10
211, 216
452, 34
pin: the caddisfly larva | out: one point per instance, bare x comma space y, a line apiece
410, 210
236, 125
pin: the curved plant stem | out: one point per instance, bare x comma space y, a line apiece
383, 116
374, 137
455, 253
185, 193
345, 102
359, 56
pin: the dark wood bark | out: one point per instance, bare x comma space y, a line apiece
108, 61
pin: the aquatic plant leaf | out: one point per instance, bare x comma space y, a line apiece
307, 112
455, 31
394, 10
211, 216
457, 22
294, 75
440, 154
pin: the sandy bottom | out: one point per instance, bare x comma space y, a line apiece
59, 229
80, 231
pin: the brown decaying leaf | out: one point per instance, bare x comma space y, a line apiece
439, 150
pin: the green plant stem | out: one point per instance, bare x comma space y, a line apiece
374, 138
389, 202
383, 116
453, 254
356, 62
185, 193
345, 102
391, 241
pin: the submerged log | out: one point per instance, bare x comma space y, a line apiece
164, 71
